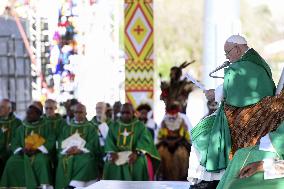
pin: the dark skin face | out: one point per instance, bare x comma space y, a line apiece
4, 108
116, 108
143, 115
80, 113
32, 114
127, 113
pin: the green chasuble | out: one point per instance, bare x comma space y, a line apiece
8, 128
29, 171
130, 137
56, 123
246, 82
80, 167
248, 155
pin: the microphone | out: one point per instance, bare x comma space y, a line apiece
225, 64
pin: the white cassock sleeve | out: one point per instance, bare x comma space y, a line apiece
219, 93
43, 149
17, 150
265, 144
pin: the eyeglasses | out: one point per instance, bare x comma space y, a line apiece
228, 52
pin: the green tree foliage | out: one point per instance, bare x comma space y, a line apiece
178, 33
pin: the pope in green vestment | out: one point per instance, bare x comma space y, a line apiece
129, 137
30, 165
78, 165
246, 157
247, 80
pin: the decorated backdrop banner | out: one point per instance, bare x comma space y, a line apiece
139, 41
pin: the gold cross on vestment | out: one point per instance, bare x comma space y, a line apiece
125, 134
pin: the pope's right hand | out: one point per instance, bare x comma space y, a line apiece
210, 94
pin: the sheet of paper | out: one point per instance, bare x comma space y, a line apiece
122, 157
199, 85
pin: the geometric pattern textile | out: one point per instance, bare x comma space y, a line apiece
139, 42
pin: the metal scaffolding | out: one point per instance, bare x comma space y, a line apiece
15, 72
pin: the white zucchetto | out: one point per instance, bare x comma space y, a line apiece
237, 39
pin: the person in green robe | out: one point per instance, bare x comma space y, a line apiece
55, 122
53, 119
78, 153
101, 123
29, 166
247, 81
132, 154
8, 124
260, 166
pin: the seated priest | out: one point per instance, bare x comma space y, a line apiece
53, 119
8, 126
29, 166
132, 154
78, 153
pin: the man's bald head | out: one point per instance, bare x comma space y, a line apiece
5, 107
